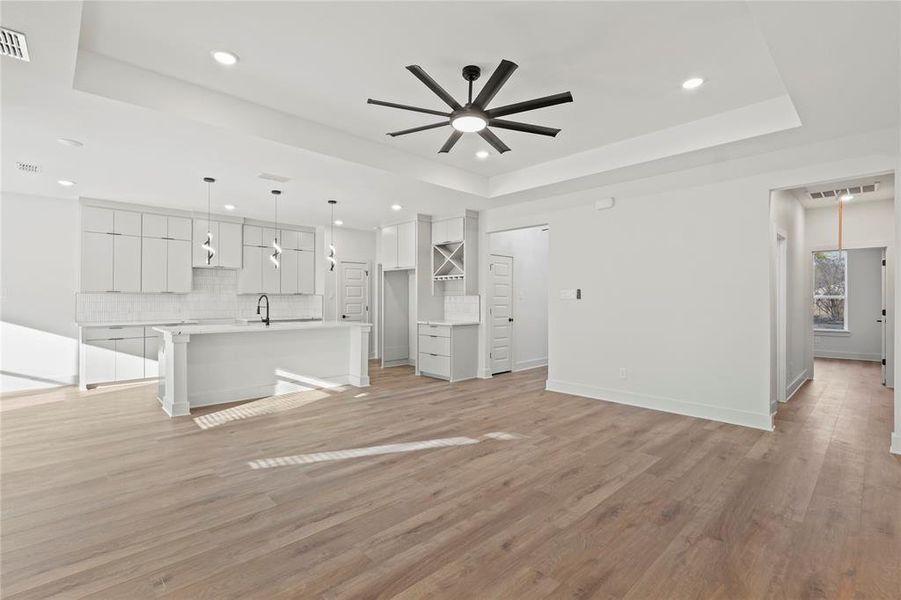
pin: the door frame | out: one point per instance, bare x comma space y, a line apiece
339, 283
490, 316
781, 315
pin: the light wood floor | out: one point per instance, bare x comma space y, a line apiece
102, 496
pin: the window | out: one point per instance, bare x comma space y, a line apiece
830, 299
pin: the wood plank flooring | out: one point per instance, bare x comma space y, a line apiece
105, 497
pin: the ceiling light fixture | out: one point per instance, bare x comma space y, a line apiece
276, 249
69, 142
65, 183
693, 83
229, 207
331, 245
224, 57
482, 154
469, 123
396, 207
207, 245
338, 222
846, 197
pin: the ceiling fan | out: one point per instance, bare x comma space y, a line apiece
475, 116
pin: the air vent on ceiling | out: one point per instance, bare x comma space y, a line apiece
271, 177
28, 167
853, 190
12, 44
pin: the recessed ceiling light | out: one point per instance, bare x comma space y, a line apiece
396, 207
229, 207
483, 154
69, 142
846, 197
224, 58
690, 84
339, 222
65, 183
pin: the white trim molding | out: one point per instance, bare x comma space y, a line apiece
896, 443
534, 363
796, 384
670, 405
847, 355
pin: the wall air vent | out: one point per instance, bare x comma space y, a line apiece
271, 177
28, 167
853, 190
12, 44
869, 188
816, 195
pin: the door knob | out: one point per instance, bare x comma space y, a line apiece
510, 319
343, 316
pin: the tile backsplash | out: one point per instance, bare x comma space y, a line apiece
461, 308
214, 296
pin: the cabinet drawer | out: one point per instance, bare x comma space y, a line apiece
112, 333
434, 365
432, 344
439, 330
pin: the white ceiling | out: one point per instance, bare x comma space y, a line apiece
885, 190
134, 81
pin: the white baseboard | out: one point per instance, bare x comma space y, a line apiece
530, 364
670, 405
401, 362
868, 356
795, 385
485, 374
896, 443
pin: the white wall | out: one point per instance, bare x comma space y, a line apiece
788, 216
39, 262
863, 340
529, 249
676, 278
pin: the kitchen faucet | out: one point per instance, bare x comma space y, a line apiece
260, 299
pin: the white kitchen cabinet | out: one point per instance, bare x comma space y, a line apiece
129, 359
389, 247
154, 226
97, 220
447, 351
179, 228
100, 361
126, 222
154, 265
447, 230
178, 266
250, 277
306, 241
289, 271
227, 242
253, 235
289, 239
96, 262
406, 245
268, 234
306, 272
126, 263
271, 276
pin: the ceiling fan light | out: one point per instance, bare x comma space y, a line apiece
469, 123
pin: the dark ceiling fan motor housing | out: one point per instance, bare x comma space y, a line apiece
475, 116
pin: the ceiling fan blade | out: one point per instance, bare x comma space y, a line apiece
495, 141
433, 85
456, 135
415, 129
427, 111
493, 85
519, 107
525, 127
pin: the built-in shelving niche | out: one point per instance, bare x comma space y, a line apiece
448, 261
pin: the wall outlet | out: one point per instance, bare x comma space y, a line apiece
623, 373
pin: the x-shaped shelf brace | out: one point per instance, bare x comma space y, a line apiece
449, 258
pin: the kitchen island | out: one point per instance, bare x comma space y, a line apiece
206, 364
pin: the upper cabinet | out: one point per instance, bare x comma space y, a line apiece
399, 246
295, 274
110, 250
447, 230
227, 242
165, 254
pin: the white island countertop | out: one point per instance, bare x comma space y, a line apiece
202, 328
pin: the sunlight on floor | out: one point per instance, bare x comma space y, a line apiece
264, 406
316, 457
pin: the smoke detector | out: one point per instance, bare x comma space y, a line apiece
271, 177
28, 167
12, 44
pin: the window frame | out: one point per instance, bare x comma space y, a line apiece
824, 331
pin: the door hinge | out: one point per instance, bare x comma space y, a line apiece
490, 355
883, 312
883, 262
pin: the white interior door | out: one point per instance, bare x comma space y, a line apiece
882, 318
353, 291
500, 312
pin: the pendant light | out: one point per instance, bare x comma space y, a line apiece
207, 245
276, 249
331, 246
